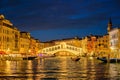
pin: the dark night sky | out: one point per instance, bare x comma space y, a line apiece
56, 19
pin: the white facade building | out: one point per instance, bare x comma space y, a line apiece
114, 38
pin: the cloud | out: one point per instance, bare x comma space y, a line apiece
32, 15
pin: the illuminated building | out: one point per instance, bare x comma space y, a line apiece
38, 46
91, 44
114, 40
88, 45
71, 41
32, 50
24, 42
9, 36
114, 36
47, 44
14, 41
102, 45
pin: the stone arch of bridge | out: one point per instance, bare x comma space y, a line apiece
64, 50
62, 47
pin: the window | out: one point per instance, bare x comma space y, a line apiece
7, 39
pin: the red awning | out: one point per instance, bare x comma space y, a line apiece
2, 52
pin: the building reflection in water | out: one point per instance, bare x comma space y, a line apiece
58, 68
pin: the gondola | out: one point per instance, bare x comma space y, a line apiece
75, 58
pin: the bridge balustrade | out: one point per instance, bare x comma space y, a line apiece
62, 47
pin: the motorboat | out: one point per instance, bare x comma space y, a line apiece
110, 60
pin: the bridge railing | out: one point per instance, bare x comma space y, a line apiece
61, 47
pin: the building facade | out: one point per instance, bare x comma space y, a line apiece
38, 46
71, 41
114, 40
13, 41
24, 43
9, 36
102, 45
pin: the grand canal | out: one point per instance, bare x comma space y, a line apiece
59, 68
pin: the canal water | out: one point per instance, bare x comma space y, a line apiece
59, 68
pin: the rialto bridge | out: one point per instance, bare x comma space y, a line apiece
63, 47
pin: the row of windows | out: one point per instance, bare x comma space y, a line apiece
6, 46
102, 40
7, 31
114, 36
24, 46
101, 45
25, 40
6, 39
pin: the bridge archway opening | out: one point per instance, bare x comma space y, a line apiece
64, 53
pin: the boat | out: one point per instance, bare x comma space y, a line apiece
75, 58
111, 60
29, 58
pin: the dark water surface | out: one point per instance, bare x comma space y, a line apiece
59, 68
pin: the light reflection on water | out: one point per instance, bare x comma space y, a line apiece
59, 68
